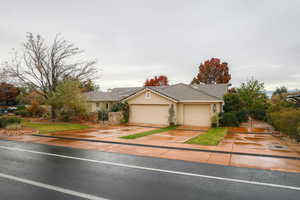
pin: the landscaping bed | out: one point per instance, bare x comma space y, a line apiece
212, 137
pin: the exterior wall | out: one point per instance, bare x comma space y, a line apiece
154, 99
153, 109
92, 106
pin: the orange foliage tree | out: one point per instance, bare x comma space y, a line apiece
212, 72
8, 93
157, 81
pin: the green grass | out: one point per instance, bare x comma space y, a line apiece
212, 137
53, 127
137, 135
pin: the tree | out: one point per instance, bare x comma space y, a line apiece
88, 86
45, 66
69, 100
254, 99
212, 72
8, 93
157, 81
280, 91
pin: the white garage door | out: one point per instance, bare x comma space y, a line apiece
196, 115
149, 114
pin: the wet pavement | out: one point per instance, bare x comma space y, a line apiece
233, 142
40, 171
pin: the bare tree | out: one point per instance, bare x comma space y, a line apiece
45, 66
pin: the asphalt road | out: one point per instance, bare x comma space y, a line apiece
37, 171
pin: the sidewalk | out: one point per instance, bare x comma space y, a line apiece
268, 163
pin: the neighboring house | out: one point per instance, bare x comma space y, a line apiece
103, 101
193, 104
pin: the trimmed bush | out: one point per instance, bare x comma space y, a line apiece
286, 121
229, 119
215, 120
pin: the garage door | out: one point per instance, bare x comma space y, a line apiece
196, 115
149, 114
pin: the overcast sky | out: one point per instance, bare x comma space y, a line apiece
135, 39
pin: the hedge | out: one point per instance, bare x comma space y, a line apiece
287, 121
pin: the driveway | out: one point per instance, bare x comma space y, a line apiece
39, 171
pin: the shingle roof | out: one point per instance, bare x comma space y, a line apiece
217, 90
183, 92
116, 94
178, 92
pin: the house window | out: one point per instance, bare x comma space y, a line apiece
147, 95
214, 108
97, 105
107, 106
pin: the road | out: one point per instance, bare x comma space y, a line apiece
37, 171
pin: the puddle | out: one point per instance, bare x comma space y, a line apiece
278, 147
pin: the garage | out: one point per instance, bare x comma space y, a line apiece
196, 115
149, 114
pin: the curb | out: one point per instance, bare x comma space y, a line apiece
166, 147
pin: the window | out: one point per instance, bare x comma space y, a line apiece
97, 105
148, 95
107, 106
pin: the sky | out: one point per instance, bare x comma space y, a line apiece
137, 39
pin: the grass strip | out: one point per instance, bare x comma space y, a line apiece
211, 138
138, 135
53, 127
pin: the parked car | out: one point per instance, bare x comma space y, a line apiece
3, 111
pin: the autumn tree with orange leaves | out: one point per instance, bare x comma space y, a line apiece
212, 72
157, 81
8, 93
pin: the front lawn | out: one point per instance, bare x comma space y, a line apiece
53, 127
137, 135
212, 137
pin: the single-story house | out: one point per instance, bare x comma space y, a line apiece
194, 105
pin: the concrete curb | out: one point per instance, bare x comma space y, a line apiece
167, 147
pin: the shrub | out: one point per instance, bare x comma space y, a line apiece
229, 119
242, 116
36, 110
102, 115
21, 107
286, 121
171, 117
23, 113
13, 120
215, 120
5, 121
122, 107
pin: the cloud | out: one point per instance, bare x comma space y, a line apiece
137, 39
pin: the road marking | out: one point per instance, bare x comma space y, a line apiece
51, 187
155, 169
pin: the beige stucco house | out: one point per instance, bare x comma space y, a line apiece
194, 105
